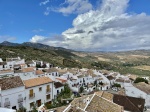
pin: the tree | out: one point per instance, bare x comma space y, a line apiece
116, 85
34, 108
95, 83
23, 109
38, 66
81, 89
139, 79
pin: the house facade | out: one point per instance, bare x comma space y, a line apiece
12, 93
38, 91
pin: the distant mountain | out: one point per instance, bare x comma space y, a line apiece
34, 45
6, 43
32, 51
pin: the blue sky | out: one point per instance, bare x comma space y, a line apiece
67, 23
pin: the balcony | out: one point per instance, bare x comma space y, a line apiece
20, 100
48, 90
7, 104
31, 95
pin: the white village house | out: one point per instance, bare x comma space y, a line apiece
12, 93
39, 91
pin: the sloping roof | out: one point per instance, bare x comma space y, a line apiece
6, 71
37, 81
29, 69
105, 95
11, 82
129, 103
58, 84
110, 77
99, 104
143, 87
79, 102
39, 72
61, 79
51, 70
119, 80
2, 63
74, 109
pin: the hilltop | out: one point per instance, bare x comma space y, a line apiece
132, 62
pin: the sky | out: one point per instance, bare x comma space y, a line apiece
87, 25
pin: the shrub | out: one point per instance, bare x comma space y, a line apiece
138, 79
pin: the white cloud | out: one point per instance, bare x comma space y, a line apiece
71, 6
109, 27
37, 39
7, 38
45, 2
56, 40
37, 30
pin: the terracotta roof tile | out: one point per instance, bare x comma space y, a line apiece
11, 82
105, 95
29, 69
110, 77
129, 103
58, 84
61, 79
6, 71
39, 72
143, 87
37, 81
99, 104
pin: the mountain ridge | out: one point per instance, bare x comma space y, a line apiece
34, 45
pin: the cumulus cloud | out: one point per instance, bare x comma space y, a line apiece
44, 2
71, 6
55, 41
37, 38
109, 27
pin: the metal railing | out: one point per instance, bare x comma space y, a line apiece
7, 104
20, 100
48, 90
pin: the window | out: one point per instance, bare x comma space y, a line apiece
48, 88
31, 94
57, 91
31, 104
48, 96
20, 96
6, 99
40, 88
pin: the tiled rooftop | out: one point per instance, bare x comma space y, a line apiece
37, 81
2, 63
11, 82
110, 77
143, 87
79, 102
6, 71
58, 84
29, 69
61, 79
130, 104
105, 95
99, 104
39, 72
